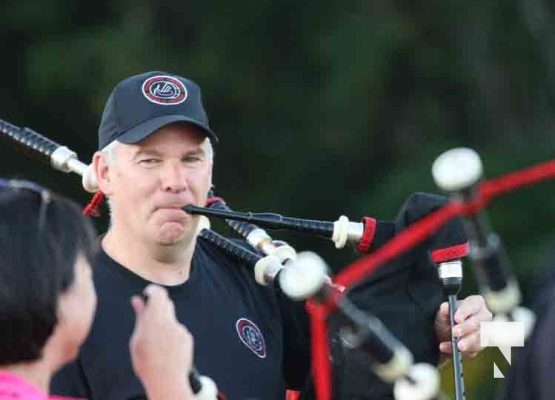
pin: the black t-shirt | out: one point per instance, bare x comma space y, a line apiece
248, 338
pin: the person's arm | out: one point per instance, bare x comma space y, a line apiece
161, 348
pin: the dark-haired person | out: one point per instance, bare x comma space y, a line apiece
155, 156
48, 300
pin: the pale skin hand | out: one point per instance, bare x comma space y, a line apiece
161, 348
471, 311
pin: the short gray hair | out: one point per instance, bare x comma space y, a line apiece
109, 151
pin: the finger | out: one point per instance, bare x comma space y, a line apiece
138, 305
155, 291
159, 301
155, 295
471, 325
445, 348
485, 315
444, 310
442, 317
470, 345
469, 306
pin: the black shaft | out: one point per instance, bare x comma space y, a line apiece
28, 141
230, 248
488, 256
491, 263
367, 332
457, 358
241, 227
269, 220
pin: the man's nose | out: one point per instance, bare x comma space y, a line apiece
174, 177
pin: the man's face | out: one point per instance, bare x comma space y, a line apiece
149, 182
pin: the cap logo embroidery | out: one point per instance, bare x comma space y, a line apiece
251, 336
164, 90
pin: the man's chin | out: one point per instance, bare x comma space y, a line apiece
170, 240
175, 232
171, 237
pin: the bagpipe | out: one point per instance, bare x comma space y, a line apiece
425, 221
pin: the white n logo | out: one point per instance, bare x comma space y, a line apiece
502, 334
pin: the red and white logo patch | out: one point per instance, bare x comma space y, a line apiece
164, 90
251, 336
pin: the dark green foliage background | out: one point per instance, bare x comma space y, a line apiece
323, 108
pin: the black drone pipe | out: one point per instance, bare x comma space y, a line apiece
268, 220
459, 171
41, 148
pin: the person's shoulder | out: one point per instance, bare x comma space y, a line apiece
108, 275
104, 265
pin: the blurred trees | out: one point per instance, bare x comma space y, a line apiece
322, 107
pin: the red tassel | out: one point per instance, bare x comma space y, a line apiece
92, 209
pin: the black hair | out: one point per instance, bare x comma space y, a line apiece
36, 265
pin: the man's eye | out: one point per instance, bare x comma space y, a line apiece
190, 159
148, 161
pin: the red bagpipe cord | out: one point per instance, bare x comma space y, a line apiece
410, 237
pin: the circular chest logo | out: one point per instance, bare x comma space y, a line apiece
251, 336
164, 90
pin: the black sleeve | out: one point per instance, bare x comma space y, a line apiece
70, 381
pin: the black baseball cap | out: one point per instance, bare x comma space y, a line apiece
141, 104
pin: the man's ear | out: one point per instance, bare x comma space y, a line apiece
102, 170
